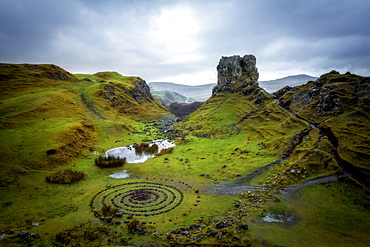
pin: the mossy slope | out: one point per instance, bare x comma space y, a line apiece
338, 103
49, 116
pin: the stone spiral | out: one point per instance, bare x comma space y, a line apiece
139, 198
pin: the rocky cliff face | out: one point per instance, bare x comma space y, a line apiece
140, 92
122, 96
236, 73
328, 96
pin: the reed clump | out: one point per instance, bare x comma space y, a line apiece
109, 161
165, 151
65, 177
145, 148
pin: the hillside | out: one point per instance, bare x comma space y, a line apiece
246, 169
47, 105
338, 104
273, 148
169, 97
196, 93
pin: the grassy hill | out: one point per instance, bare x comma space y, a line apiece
338, 104
44, 107
169, 97
245, 171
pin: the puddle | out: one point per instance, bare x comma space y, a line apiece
282, 218
3, 235
120, 174
129, 153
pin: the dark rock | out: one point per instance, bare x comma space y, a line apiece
195, 226
211, 233
23, 233
222, 224
244, 226
51, 152
236, 237
109, 219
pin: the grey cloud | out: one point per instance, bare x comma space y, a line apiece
92, 35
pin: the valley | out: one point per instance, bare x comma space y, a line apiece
248, 168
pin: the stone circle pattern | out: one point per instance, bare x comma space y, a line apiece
139, 198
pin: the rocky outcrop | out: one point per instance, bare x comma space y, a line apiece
236, 73
140, 92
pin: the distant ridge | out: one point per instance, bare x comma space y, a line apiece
203, 92
197, 93
292, 81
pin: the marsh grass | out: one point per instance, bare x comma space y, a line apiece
146, 148
109, 161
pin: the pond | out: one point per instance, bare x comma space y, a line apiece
129, 153
120, 174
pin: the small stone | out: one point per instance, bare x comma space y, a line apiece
23, 233
244, 226
119, 214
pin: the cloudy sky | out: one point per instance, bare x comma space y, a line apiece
182, 41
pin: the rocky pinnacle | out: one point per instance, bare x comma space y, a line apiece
236, 73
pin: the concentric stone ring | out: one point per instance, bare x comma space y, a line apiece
139, 198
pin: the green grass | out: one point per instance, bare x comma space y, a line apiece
327, 216
239, 137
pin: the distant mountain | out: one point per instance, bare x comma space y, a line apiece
203, 92
293, 80
197, 93
169, 97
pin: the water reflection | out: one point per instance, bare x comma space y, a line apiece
129, 153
